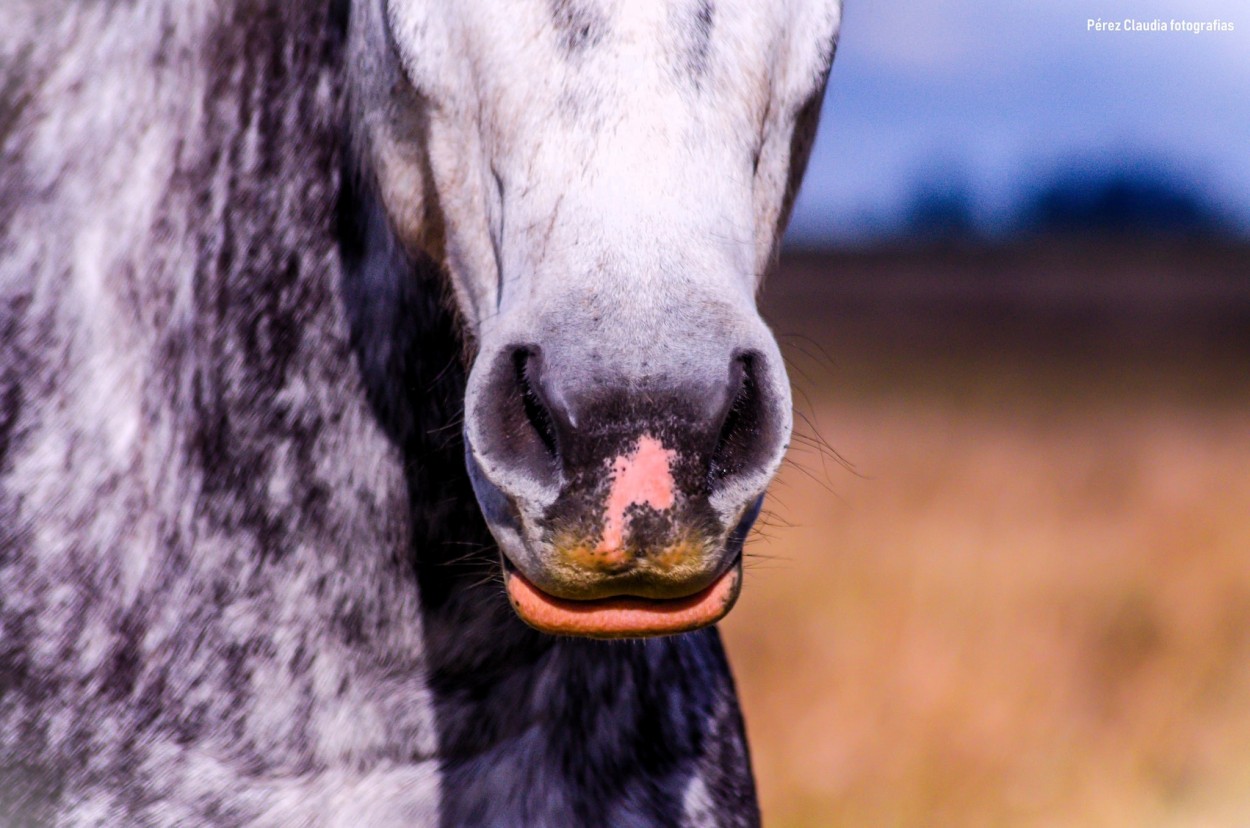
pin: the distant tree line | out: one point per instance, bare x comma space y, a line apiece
1079, 200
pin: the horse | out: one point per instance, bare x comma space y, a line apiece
384, 405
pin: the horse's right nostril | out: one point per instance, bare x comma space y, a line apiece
523, 436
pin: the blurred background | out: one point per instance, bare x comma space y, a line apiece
1004, 578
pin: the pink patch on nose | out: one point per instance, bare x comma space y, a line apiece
644, 477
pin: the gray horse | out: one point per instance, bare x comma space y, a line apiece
361, 366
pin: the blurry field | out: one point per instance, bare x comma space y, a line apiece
1029, 602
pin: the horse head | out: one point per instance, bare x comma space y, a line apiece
605, 183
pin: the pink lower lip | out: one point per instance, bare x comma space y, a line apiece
625, 616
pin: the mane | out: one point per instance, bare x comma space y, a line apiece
244, 572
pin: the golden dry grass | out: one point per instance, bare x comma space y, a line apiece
1030, 607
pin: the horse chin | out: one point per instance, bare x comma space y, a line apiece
622, 616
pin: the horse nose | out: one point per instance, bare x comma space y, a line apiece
565, 429
621, 485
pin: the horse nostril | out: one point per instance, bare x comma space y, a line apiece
526, 368
740, 445
521, 433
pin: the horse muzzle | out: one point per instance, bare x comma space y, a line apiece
621, 503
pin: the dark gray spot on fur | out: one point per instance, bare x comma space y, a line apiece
579, 25
701, 37
29, 795
692, 27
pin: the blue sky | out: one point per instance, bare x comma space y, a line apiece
995, 95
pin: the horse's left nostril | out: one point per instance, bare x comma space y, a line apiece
740, 445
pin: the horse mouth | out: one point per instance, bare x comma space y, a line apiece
623, 616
